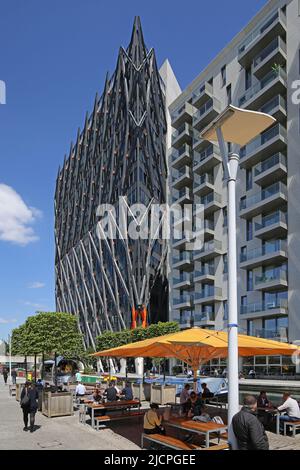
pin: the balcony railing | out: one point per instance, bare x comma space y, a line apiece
270, 191
184, 277
177, 153
258, 32
205, 108
271, 219
204, 317
269, 163
183, 128
276, 274
205, 178
213, 196
211, 246
204, 87
277, 130
182, 299
278, 245
184, 257
263, 306
201, 156
274, 103
178, 194
280, 335
210, 291
264, 82
184, 171
277, 42
206, 270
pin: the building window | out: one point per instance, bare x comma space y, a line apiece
249, 179
225, 218
225, 310
228, 92
250, 328
249, 280
248, 78
225, 264
243, 253
249, 230
244, 304
223, 76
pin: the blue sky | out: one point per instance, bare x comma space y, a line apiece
53, 58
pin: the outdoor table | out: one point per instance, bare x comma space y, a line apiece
274, 412
198, 427
108, 406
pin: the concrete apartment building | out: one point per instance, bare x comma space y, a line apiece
256, 71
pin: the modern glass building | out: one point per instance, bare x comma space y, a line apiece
258, 70
119, 157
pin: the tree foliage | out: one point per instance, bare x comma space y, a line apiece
48, 332
112, 340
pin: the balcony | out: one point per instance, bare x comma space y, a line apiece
273, 53
203, 184
185, 280
272, 169
183, 261
207, 159
271, 141
183, 301
204, 93
209, 250
185, 320
182, 177
204, 318
270, 253
182, 115
183, 135
272, 280
260, 37
274, 82
206, 113
183, 238
265, 201
277, 335
212, 202
182, 196
182, 156
206, 274
259, 309
208, 295
272, 225
207, 229
276, 107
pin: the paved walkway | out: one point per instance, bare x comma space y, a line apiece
53, 433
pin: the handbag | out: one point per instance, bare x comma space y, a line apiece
25, 400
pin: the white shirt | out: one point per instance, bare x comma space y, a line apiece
291, 407
80, 389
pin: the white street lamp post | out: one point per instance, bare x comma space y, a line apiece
237, 126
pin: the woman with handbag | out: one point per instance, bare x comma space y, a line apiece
29, 405
152, 421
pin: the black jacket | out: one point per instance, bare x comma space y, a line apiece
249, 431
33, 396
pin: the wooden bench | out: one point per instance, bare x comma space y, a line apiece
294, 424
177, 444
109, 418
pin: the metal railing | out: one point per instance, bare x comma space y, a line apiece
276, 274
277, 42
271, 219
269, 163
205, 178
265, 193
183, 299
208, 198
277, 130
274, 103
184, 277
264, 82
210, 270
177, 153
270, 247
263, 306
209, 291
184, 257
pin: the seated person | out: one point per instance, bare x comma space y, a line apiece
80, 390
185, 394
152, 421
204, 416
193, 405
291, 407
111, 393
97, 396
206, 393
117, 388
263, 401
126, 393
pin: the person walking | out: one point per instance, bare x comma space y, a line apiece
14, 376
29, 405
5, 375
248, 430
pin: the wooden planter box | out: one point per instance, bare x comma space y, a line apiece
162, 394
141, 391
57, 404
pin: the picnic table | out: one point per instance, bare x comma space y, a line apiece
274, 412
198, 427
122, 405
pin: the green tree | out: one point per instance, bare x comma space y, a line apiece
49, 332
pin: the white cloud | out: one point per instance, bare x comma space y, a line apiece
5, 321
38, 306
36, 285
16, 217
